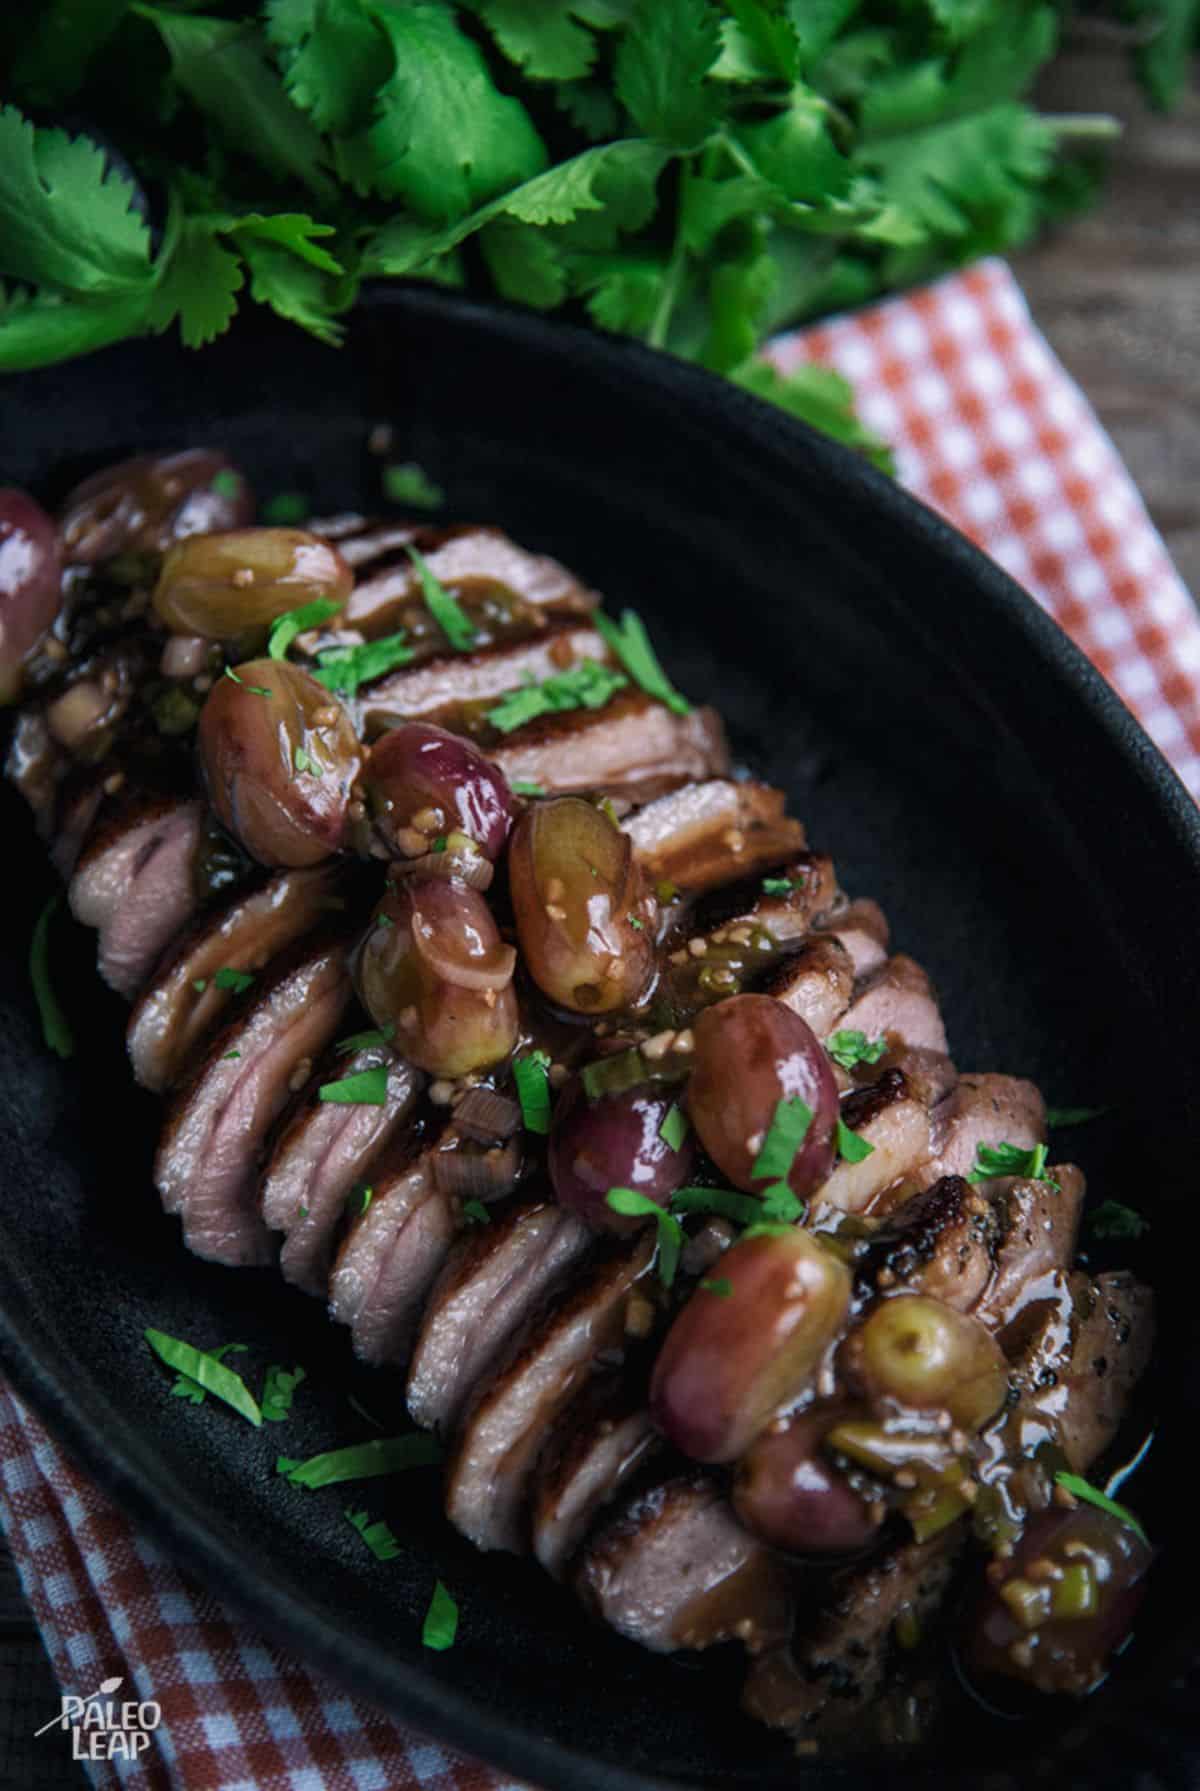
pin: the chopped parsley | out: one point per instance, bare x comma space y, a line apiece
670, 1232
533, 1090
284, 508
278, 1391
1091, 1495
186, 1388
366, 1089
1114, 1220
441, 1620
781, 1207
301, 760
1010, 1159
206, 1368
344, 668
285, 628
226, 483
230, 1055
588, 685
524, 786
199, 983
850, 1147
363, 1041
379, 1537
254, 689
362, 1461
850, 1048
722, 1286
783, 886
407, 483
1072, 1116
55, 1029
743, 1209
236, 980
364, 1196
675, 1127
475, 1213
445, 609
785, 1135
439, 844
630, 643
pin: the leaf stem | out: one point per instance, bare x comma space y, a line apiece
660, 323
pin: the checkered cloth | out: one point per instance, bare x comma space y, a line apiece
988, 429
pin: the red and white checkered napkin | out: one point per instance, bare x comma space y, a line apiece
988, 429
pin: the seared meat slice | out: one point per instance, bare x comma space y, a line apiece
835, 1672
502, 1434
217, 1124
394, 1249
815, 982
602, 1439
631, 743
80, 799
444, 684
863, 929
898, 1001
325, 1149
35, 764
939, 1243
714, 832
1038, 1229
182, 1003
461, 557
134, 883
677, 1570
985, 1109
360, 542
896, 1125
495, 1279
785, 918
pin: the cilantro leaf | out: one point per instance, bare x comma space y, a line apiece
660, 68
334, 58
1072, 1116
379, 1536
345, 668
542, 37
286, 627
278, 1391
533, 1090
675, 1127
588, 685
631, 645
408, 483
199, 286
819, 397
66, 218
296, 290
444, 137
445, 609
525, 264
362, 1461
848, 1049
206, 1368
1112, 1219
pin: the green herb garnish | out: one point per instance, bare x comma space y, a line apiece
408, 483
378, 1536
475, 1213
230, 1055
362, 1461
1091, 1495
850, 1147
533, 1090
55, 1030
588, 685
445, 609
254, 689
722, 1286
286, 507
236, 980
186, 1388
743, 1209
368, 1088
226, 483
1010, 1159
441, 1620
523, 786
208, 1371
633, 1205
850, 1048
285, 628
199, 983
278, 1391
780, 1206
364, 1195
785, 1135
675, 1127
344, 668
1112, 1219
364, 1041
1058, 1117
630, 643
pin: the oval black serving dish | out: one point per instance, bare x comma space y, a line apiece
938, 735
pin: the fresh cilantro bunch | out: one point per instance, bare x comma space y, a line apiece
695, 174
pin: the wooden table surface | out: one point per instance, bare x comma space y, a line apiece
1117, 292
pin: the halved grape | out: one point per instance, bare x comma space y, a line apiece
751, 1053
30, 583
424, 783
789, 1493
923, 1354
732, 1358
221, 586
143, 505
280, 758
614, 1142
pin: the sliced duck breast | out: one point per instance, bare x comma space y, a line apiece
461, 556
677, 1570
982, 1109
601, 1441
208, 1160
495, 1279
630, 743
815, 982
714, 832
134, 883
324, 1151
863, 929
887, 1116
183, 1001
452, 680
397, 1241
502, 1435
